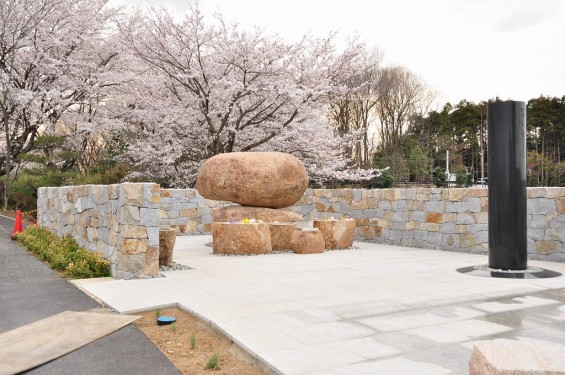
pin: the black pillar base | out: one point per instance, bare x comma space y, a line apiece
529, 273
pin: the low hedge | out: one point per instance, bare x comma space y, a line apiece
64, 254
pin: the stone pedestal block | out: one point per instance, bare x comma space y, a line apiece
241, 239
238, 213
307, 241
281, 234
338, 234
509, 357
167, 239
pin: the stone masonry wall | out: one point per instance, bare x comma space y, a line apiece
187, 211
446, 219
118, 221
121, 221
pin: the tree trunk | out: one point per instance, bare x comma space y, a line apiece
8, 160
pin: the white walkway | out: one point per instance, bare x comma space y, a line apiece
374, 310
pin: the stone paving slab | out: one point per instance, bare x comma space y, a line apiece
375, 309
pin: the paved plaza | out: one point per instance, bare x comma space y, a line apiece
375, 309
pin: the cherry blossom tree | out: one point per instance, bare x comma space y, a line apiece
202, 89
353, 112
56, 63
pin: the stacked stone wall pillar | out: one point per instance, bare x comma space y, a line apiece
118, 221
138, 235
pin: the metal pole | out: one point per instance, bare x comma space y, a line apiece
482, 154
447, 173
507, 186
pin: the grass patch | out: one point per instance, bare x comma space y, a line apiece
213, 362
64, 254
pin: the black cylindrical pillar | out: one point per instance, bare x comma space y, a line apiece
507, 201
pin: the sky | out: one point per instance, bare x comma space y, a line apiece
463, 49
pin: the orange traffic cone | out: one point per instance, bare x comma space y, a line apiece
18, 226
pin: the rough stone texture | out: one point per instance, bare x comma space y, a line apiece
187, 211
241, 239
307, 241
118, 221
508, 357
167, 239
258, 179
152, 260
338, 234
268, 215
560, 205
281, 234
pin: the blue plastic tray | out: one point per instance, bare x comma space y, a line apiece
163, 320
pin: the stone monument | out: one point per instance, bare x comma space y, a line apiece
262, 184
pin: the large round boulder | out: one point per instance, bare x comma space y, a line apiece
258, 179
268, 215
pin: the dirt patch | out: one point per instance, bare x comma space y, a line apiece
175, 342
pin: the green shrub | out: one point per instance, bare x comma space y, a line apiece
441, 177
23, 192
64, 254
78, 270
384, 181
463, 178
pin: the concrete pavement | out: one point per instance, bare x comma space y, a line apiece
376, 309
30, 291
